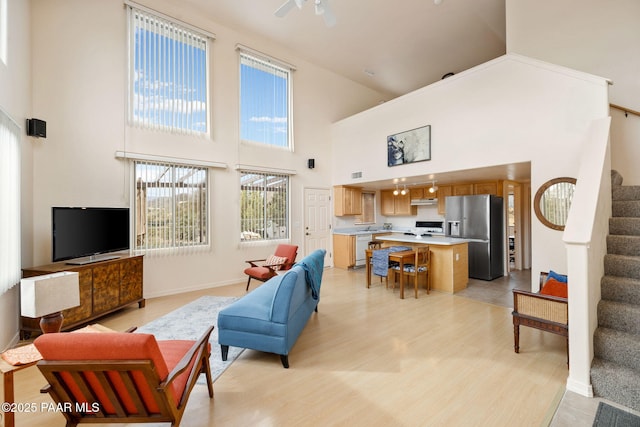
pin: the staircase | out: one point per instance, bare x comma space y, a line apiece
615, 370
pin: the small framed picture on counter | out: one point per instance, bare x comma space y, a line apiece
409, 146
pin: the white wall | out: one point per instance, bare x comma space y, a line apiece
509, 110
79, 87
597, 37
15, 100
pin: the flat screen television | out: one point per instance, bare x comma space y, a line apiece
83, 234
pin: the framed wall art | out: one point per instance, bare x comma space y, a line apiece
409, 146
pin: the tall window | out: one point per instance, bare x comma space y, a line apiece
9, 203
265, 101
264, 206
168, 69
171, 206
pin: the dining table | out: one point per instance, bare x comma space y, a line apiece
401, 257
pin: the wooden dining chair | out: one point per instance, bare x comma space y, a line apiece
421, 266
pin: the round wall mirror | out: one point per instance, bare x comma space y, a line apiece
553, 200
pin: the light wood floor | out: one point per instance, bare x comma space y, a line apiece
368, 358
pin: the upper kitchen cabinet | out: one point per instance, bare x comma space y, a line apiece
463, 189
491, 187
419, 193
347, 200
396, 205
443, 192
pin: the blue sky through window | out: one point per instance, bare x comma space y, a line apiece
170, 77
263, 103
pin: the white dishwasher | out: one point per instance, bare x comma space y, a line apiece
362, 242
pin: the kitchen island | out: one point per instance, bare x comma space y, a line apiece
449, 259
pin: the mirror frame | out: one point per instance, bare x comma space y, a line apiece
538, 198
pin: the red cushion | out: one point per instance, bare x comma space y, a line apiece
555, 288
260, 273
117, 346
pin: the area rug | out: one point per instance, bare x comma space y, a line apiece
609, 416
189, 322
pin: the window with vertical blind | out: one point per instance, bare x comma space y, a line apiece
171, 206
265, 100
168, 74
10, 272
264, 206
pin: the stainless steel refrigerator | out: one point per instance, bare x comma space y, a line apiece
480, 219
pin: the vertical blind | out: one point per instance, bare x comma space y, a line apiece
265, 94
9, 203
167, 75
170, 206
264, 206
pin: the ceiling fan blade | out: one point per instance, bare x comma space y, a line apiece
327, 15
286, 7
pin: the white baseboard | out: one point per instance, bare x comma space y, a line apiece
580, 388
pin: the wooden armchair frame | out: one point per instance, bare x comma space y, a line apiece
544, 312
62, 375
261, 271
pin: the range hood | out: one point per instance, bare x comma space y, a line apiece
423, 202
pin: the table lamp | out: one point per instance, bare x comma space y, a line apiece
47, 295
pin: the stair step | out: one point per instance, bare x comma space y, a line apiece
619, 316
616, 178
622, 266
620, 289
616, 383
624, 226
625, 192
623, 245
616, 346
625, 208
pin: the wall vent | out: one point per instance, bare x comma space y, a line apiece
355, 175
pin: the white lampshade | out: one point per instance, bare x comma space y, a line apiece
50, 293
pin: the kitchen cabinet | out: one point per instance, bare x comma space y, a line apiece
419, 193
344, 250
492, 187
443, 192
347, 200
396, 205
463, 189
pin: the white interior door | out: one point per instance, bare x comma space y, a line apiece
317, 222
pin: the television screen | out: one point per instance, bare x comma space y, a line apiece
82, 232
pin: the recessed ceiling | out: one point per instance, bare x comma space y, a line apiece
393, 47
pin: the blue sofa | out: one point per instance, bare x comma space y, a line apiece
271, 317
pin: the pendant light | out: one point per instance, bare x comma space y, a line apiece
433, 187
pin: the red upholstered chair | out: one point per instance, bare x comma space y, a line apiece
122, 377
264, 269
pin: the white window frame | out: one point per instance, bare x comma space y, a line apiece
270, 233
279, 66
140, 198
180, 111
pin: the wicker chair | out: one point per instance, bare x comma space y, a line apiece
545, 312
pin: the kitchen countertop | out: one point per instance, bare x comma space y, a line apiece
360, 232
433, 240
